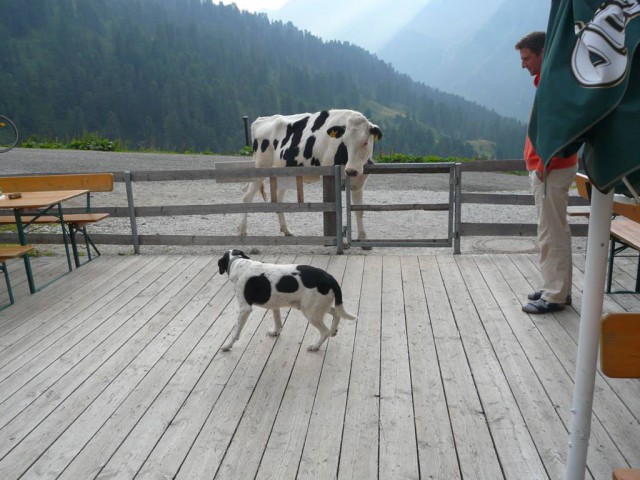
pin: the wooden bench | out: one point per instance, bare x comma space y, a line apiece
625, 228
620, 358
8, 253
76, 222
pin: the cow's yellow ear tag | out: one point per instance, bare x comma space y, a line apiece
376, 138
332, 134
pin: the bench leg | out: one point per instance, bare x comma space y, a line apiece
87, 242
3, 267
75, 229
64, 236
612, 252
74, 245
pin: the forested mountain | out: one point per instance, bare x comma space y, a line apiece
181, 74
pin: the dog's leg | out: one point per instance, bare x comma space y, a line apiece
277, 323
318, 322
335, 322
235, 335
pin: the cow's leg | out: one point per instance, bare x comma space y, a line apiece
356, 199
283, 222
250, 191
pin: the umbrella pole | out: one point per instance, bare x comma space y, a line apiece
589, 337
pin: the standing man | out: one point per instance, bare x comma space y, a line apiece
550, 189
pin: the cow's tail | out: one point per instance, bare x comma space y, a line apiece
263, 191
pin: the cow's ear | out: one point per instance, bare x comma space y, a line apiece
336, 132
376, 132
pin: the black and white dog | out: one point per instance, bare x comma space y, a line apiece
303, 287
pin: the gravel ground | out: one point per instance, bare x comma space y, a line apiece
430, 188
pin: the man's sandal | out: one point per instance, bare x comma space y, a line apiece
540, 306
537, 295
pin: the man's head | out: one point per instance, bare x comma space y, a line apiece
531, 47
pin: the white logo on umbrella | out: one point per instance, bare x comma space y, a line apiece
600, 57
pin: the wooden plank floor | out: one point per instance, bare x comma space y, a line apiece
115, 371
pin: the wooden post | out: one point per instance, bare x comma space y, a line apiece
329, 195
245, 120
300, 189
132, 213
273, 186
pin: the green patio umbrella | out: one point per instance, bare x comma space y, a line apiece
589, 90
589, 95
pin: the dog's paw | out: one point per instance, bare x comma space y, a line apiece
226, 348
334, 333
273, 332
313, 348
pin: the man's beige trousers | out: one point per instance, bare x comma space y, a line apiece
554, 235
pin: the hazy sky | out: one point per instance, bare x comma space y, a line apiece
257, 5
369, 28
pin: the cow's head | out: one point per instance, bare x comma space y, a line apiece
358, 137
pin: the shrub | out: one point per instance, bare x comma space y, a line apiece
404, 158
92, 141
34, 142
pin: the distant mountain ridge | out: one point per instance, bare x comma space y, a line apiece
464, 47
481, 63
349, 21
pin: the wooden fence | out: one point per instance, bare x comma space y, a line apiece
335, 233
506, 229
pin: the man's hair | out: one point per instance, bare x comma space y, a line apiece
533, 41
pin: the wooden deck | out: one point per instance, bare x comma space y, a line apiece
115, 371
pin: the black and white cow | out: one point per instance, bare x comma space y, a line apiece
334, 137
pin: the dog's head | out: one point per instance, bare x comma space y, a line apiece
227, 258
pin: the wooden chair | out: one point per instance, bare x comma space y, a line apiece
626, 474
620, 358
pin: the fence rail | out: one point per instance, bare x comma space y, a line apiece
335, 233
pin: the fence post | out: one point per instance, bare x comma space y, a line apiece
329, 195
347, 197
132, 213
338, 193
457, 168
245, 119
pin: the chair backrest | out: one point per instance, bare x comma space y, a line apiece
584, 186
94, 182
620, 345
625, 209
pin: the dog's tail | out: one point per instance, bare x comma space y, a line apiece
339, 308
342, 313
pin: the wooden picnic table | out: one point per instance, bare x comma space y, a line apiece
43, 203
